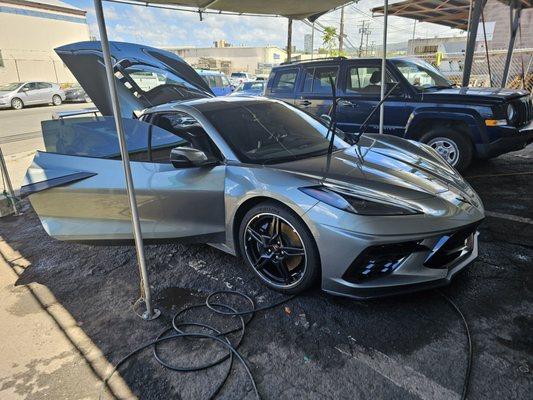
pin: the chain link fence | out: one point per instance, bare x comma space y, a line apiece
520, 71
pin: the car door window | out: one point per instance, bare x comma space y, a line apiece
365, 80
43, 85
178, 129
317, 80
284, 81
29, 87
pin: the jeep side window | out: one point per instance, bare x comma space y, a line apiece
365, 80
317, 79
284, 81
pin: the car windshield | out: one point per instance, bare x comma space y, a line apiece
250, 86
9, 86
270, 132
422, 75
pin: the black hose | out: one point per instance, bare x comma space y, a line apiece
175, 332
466, 383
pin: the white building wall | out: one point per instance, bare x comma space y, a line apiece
27, 42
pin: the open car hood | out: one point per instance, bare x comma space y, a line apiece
145, 76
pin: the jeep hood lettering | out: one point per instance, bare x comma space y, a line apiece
145, 76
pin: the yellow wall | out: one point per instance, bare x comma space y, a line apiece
27, 45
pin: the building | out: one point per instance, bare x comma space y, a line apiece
308, 43
255, 60
496, 15
445, 45
29, 32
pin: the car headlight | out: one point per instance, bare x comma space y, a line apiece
354, 204
510, 112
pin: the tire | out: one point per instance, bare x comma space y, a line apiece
286, 273
57, 100
454, 146
17, 104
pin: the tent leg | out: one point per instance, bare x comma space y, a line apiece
289, 40
471, 41
383, 66
150, 313
7, 183
514, 29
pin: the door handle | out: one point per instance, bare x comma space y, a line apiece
303, 103
347, 103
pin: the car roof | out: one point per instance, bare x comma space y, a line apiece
334, 60
208, 72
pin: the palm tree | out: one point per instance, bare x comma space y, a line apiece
329, 38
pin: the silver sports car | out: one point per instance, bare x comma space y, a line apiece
252, 177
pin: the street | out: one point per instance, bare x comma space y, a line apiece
20, 136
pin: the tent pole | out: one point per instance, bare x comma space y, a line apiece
473, 24
289, 40
515, 23
313, 40
150, 313
383, 66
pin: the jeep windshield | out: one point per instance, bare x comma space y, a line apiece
270, 133
422, 75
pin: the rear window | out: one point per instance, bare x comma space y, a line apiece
238, 75
284, 81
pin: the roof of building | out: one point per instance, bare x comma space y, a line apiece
452, 13
49, 5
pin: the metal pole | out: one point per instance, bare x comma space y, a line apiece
471, 41
313, 40
289, 40
514, 28
486, 47
341, 32
150, 313
7, 180
383, 66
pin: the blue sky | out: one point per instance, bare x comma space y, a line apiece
160, 28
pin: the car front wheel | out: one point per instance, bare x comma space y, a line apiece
56, 100
453, 146
279, 248
17, 104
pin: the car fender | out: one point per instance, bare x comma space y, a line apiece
471, 118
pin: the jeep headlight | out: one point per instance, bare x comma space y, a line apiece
510, 112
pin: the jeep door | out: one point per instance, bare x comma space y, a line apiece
360, 94
282, 84
314, 93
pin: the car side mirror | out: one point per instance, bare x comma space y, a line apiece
187, 157
25, 89
325, 118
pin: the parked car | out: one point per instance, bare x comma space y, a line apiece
76, 93
18, 95
253, 177
459, 123
254, 88
217, 81
239, 77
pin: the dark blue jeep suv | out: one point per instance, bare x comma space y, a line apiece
460, 123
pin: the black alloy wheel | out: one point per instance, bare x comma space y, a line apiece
279, 248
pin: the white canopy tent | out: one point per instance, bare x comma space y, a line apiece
295, 9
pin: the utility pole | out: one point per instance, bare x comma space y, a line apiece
313, 41
289, 41
367, 34
341, 32
362, 32
414, 29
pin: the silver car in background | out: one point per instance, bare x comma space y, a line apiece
254, 177
18, 95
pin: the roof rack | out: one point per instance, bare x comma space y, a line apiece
313, 60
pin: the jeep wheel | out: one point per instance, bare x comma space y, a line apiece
452, 145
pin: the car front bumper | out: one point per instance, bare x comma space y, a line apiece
509, 139
405, 255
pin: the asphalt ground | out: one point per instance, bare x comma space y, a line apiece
316, 346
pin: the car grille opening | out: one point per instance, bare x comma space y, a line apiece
378, 261
451, 247
524, 111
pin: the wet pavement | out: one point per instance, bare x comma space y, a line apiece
316, 346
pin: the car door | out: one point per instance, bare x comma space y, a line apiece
44, 91
29, 93
361, 93
77, 187
314, 92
